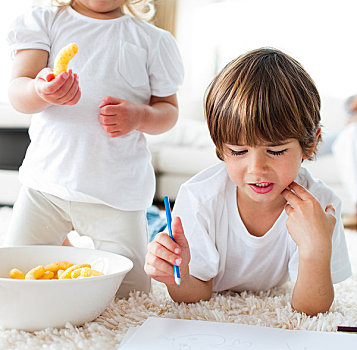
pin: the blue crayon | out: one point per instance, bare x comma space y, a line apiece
169, 219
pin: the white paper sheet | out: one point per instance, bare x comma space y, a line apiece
174, 334
131, 331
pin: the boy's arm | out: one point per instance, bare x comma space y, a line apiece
313, 291
31, 90
311, 228
163, 253
191, 290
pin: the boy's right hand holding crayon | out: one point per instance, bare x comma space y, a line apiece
163, 253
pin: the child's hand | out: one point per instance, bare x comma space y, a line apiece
163, 252
309, 225
61, 90
119, 117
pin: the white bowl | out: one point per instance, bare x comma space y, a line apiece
34, 305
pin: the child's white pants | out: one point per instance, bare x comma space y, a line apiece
40, 218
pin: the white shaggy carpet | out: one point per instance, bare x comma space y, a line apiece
271, 308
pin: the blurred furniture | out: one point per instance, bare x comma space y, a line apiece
14, 141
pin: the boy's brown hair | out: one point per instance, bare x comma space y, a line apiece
263, 95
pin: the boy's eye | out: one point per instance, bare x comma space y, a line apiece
277, 153
238, 153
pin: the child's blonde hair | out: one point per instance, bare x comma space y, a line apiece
263, 95
142, 9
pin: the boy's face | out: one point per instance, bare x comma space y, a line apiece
262, 172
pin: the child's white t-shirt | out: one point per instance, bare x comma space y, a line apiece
70, 155
222, 248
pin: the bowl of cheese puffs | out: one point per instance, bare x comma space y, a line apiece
48, 286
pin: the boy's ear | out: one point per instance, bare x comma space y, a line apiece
317, 134
313, 146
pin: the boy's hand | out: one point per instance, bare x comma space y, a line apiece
119, 117
62, 90
163, 252
309, 225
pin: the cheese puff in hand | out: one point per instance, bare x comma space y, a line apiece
62, 90
65, 89
63, 57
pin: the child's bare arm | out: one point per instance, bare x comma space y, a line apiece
311, 228
119, 117
33, 87
162, 253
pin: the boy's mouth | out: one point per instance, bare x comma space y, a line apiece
261, 187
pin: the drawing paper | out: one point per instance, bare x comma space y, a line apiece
174, 334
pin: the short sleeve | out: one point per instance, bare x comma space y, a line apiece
30, 31
197, 224
165, 67
340, 261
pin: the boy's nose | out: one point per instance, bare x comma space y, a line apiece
258, 164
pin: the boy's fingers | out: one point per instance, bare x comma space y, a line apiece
330, 210
291, 197
161, 252
302, 192
164, 240
288, 208
178, 233
158, 267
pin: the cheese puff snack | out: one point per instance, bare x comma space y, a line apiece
17, 274
81, 272
96, 273
56, 270
85, 272
67, 273
58, 265
63, 58
59, 273
35, 273
48, 275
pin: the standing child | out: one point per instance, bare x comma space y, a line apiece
258, 217
88, 166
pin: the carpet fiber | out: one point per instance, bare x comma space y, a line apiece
271, 308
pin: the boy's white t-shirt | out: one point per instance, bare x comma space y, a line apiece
70, 155
222, 248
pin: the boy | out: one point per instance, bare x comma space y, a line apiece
257, 218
